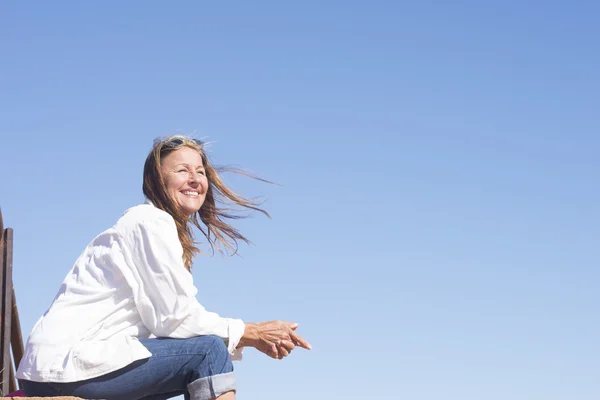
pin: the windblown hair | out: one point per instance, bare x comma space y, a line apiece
217, 231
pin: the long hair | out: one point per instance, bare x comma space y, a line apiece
219, 234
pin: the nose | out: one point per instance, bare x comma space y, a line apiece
194, 177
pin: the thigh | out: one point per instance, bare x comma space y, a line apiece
173, 365
40, 389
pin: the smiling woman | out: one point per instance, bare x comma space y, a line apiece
185, 180
125, 323
180, 179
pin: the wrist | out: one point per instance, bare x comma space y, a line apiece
250, 336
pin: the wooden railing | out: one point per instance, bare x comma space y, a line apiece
11, 337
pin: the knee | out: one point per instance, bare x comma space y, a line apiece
218, 355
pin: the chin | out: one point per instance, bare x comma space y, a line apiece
191, 210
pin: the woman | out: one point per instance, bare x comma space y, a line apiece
125, 323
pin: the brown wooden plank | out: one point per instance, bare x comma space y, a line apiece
12, 382
16, 336
6, 308
4, 377
41, 398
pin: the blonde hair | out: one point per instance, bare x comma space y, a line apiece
217, 231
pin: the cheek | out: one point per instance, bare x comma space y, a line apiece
178, 181
174, 182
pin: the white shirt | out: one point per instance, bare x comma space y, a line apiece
129, 283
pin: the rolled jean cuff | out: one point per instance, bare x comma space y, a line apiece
212, 386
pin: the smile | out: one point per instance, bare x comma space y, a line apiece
191, 193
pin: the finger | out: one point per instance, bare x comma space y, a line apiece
269, 352
280, 353
283, 352
299, 341
273, 352
287, 344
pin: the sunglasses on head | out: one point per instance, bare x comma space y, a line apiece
176, 142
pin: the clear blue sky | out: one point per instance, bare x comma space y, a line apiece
436, 228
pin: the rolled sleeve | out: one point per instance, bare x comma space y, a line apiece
236, 331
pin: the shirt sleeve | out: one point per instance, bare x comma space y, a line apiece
163, 289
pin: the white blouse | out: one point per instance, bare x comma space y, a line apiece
129, 283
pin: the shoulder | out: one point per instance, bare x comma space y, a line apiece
144, 216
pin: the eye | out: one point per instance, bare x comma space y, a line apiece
182, 170
200, 172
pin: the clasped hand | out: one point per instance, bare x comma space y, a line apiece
276, 339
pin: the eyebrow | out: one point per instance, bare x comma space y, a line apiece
188, 165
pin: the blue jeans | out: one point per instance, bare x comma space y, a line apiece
198, 368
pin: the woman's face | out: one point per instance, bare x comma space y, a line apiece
185, 179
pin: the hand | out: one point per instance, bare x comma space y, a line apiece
284, 348
274, 338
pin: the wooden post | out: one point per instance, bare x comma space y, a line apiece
4, 370
7, 382
10, 326
6, 310
5, 307
16, 337
12, 383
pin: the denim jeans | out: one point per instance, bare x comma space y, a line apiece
199, 368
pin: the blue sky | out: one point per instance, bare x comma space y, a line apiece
435, 228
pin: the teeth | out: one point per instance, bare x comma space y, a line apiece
191, 193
